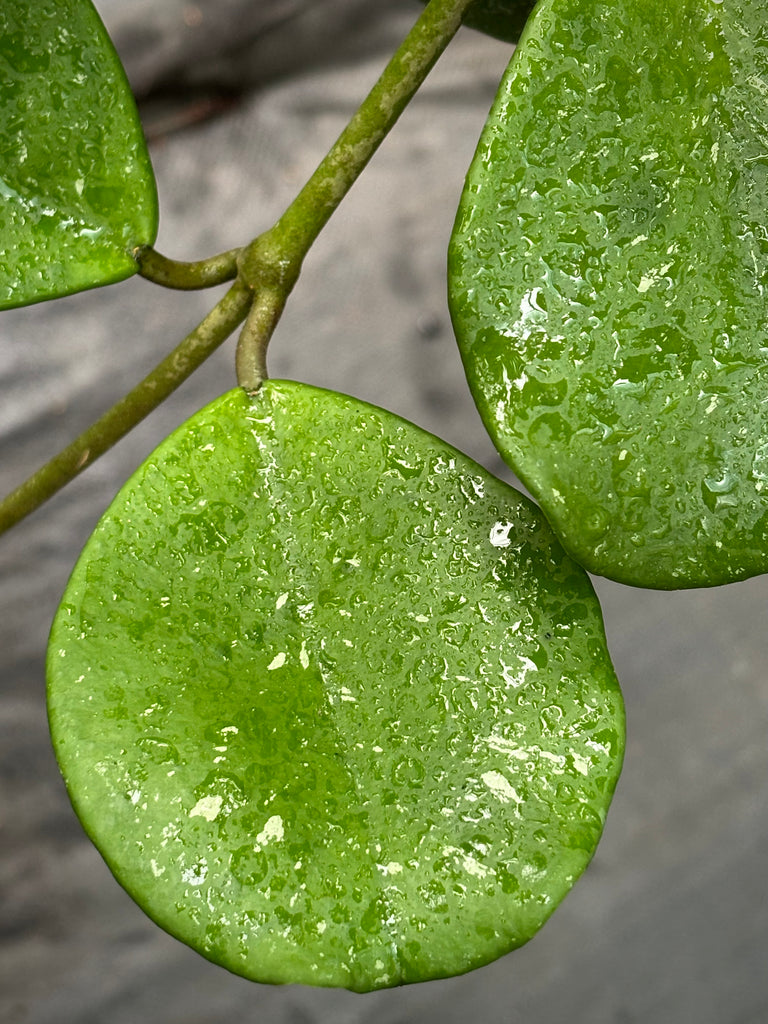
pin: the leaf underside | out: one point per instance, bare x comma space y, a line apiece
77, 191
503, 19
607, 283
331, 700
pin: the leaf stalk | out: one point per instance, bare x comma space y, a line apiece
186, 276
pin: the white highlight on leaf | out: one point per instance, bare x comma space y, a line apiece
501, 788
195, 875
207, 807
393, 868
581, 764
509, 749
647, 281
272, 832
470, 864
500, 535
474, 867
515, 675
277, 662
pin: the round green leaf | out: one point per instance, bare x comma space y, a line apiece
330, 699
77, 192
608, 283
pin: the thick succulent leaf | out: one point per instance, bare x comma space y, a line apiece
77, 192
504, 19
330, 699
607, 280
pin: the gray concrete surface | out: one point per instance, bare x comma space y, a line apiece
670, 923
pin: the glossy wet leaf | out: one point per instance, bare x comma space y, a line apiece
330, 699
504, 19
608, 271
77, 192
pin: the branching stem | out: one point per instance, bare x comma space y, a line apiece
266, 270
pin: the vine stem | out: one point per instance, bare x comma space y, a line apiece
266, 270
215, 328
273, 260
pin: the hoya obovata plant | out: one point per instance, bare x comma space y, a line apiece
333, 702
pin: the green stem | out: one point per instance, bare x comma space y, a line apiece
251, 358
376, 116
217, 326
274, 259
186, 276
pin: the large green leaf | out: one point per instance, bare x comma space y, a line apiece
331, 699
77, 192
608, 283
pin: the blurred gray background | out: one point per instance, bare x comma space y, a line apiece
240, 100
